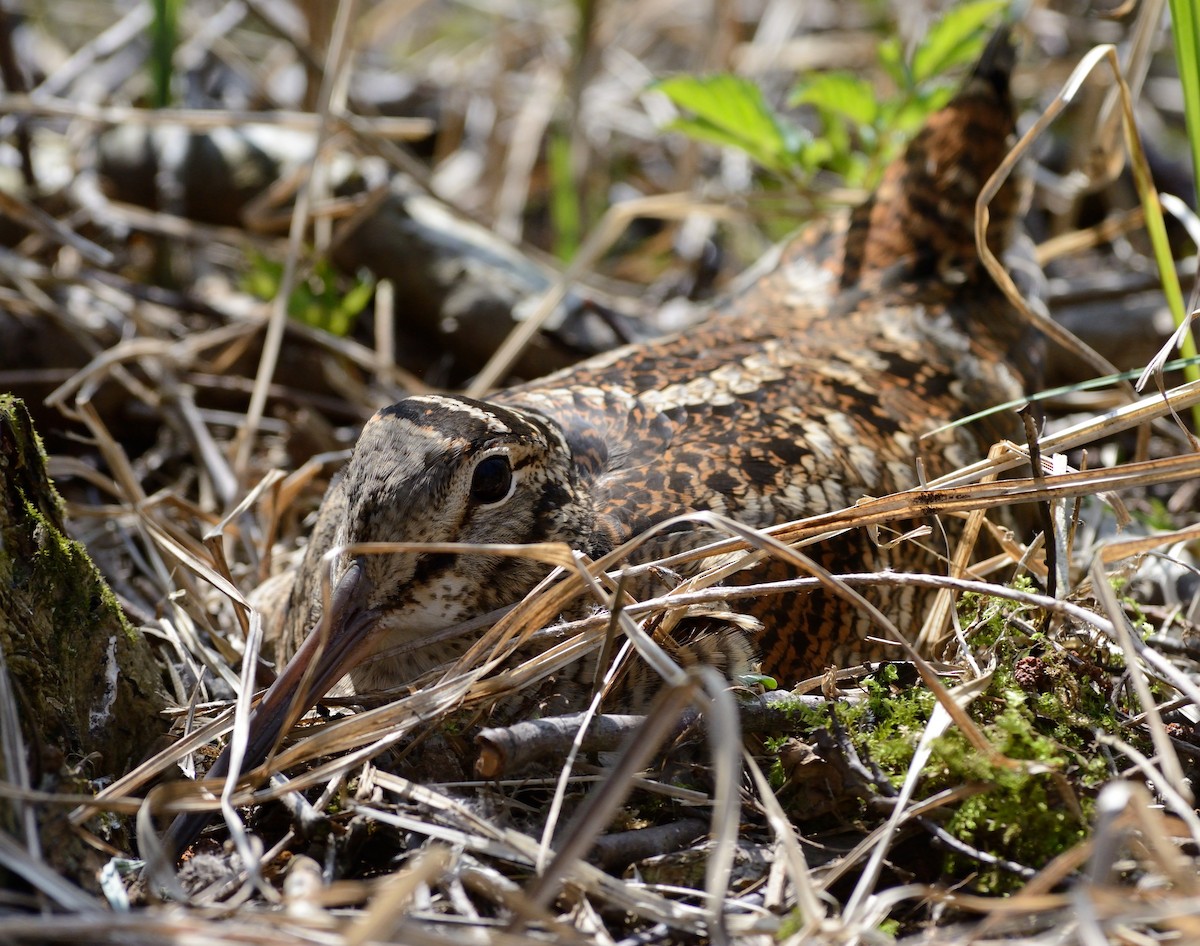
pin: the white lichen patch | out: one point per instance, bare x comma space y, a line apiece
100, 714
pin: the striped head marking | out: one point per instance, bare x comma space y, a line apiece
452, 469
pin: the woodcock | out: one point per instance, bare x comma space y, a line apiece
807, 390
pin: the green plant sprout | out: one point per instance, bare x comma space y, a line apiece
860, 132
321, 300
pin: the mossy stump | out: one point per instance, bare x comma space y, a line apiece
82, 682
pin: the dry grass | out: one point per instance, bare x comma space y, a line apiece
193, 429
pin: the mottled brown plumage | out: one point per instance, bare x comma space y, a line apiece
807, 390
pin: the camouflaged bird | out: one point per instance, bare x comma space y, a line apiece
813, 386
807, 390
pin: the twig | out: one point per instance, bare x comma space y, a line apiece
507, 750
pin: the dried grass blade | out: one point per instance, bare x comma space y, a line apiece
272, 343
14, 754
522, 849
39, 875
808, 897
385, 913
208, 119
1042, 323
603, 803
1172, 770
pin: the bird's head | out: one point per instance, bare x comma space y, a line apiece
428, 469
439, 469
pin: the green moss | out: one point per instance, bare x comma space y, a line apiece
892, 718
802, 715
988, 616
1028, 824
85, 679
789, 926
58, 566
1030, 813
1041, 709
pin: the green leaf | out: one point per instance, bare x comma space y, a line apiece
954, 40
1185, 20
841, 93
262, 279
354, 301
904, 116
759, 679
564, 200
703, 130
731, 111
891, 58
858, 171
319, 300
816, 154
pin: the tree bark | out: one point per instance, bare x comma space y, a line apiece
80, 692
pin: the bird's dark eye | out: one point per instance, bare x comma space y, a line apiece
492, 479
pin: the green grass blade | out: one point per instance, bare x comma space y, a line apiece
1185, 20
164, 37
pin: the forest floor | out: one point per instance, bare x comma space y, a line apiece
231, 230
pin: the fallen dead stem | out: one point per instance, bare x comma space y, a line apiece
511, 749
197, 119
